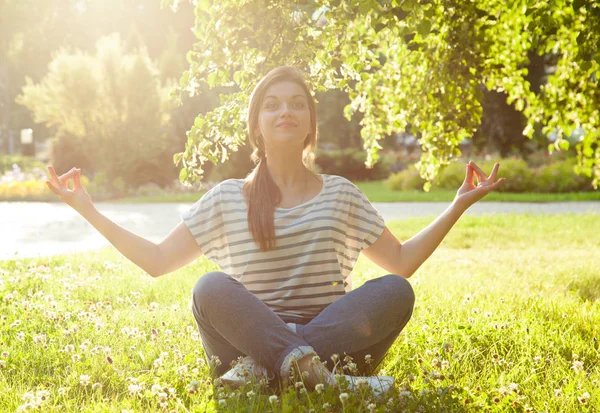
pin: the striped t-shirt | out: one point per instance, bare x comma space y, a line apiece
318, 243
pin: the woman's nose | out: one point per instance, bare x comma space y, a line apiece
286, 108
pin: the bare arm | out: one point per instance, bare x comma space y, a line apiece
405, 258
176, 250
140, 251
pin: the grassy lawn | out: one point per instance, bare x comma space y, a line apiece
376, 191
507, 318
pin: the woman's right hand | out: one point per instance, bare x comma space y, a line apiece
78, 198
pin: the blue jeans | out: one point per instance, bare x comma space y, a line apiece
234, 322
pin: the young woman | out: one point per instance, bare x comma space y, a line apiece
286, 240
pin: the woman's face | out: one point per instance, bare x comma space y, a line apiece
284, 117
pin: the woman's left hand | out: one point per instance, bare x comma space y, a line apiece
468, 193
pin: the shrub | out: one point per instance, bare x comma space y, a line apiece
405, 180
350, 163
25, 163
111, 113
561, 177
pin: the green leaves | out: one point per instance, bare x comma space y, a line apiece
423, 63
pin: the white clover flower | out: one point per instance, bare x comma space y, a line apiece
134, 388
222, 402
250, 393
326, 406
84, 379
584, 398
62, 391
577, 366
344, 397
319, 387
514, 387
273, 399
362, 384
372, 407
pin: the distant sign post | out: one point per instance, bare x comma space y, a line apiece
27, 145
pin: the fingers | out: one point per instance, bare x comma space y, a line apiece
60, 181
497, 183
53, 176
481, 176
66, 176
56, 191
494, 172
77, 179
469, 177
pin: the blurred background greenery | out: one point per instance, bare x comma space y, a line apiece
92, 80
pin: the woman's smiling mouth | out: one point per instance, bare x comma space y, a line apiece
286, 125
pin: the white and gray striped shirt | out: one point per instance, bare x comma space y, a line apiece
318, 244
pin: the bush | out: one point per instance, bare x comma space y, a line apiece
30, 188
561, 177
350, 163
25, 163
520, 177
111, 113
405, 180
67, 152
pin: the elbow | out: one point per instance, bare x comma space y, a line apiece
404, 274
154, 273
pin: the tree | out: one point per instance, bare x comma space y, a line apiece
113, 106
420, 61
31, 31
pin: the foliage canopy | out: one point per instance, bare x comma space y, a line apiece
420, 64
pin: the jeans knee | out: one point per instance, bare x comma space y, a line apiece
209, 286
401, 292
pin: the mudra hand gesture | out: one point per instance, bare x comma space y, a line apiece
468, 193
78, 198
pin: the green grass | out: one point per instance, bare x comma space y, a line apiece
507, 318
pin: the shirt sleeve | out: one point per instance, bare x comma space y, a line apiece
365, 223
204, 219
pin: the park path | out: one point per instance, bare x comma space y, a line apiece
34, 229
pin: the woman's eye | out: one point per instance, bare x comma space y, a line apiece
299, 105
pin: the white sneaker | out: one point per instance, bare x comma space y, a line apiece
245, 371
379, 384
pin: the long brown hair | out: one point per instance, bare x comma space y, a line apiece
260, 190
